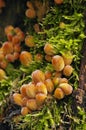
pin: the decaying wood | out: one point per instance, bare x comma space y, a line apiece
82, 77
80, 94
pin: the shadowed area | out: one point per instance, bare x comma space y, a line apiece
12, 14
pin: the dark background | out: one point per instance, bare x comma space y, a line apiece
12, 14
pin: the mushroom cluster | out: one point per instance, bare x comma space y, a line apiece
2, 5
10, 49
32, 96
36, 9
